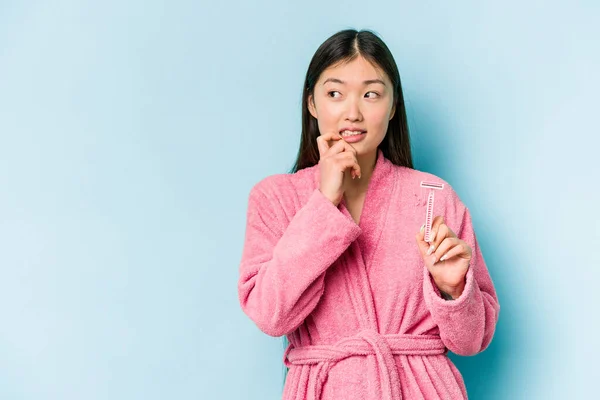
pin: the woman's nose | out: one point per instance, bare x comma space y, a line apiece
353, 110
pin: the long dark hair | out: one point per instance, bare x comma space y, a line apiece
345, 46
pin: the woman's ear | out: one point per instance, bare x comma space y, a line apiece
311, 106
393, 111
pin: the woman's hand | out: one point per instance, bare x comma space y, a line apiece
446, 257
334, 161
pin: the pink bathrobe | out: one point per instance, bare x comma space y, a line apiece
361, 311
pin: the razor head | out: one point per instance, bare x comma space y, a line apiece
432, 185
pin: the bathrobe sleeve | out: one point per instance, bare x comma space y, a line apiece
282, 271
467, 323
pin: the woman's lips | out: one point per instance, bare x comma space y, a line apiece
354, 138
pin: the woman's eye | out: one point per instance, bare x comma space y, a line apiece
335, 91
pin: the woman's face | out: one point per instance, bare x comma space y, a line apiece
344, 98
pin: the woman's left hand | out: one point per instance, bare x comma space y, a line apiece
446, 257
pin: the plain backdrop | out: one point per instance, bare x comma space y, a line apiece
131, 133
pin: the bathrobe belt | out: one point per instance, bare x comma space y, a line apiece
366, 342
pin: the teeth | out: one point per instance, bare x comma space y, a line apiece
351, 133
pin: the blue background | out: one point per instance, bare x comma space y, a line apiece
131, 134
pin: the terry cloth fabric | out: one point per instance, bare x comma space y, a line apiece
361, 311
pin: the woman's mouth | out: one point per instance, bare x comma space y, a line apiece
351, 133
353, 136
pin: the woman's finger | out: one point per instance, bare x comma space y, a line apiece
337, 148
323, 142
345, 150
421, 243
457, 250
322, 146
435, 225
444, 247
354, 163
341, 146
347, 160
438, 234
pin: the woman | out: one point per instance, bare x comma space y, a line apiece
335, 256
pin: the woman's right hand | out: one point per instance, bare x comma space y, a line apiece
334, 161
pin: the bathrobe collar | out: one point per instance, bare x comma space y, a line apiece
382, 187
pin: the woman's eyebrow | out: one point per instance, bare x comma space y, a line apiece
367, 82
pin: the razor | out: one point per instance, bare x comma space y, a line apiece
432, 186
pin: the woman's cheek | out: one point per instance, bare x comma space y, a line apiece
379, 120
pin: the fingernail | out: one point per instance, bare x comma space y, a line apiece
443, 257
430, 250
422, 227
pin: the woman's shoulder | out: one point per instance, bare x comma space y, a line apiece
413, 178
285, 188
